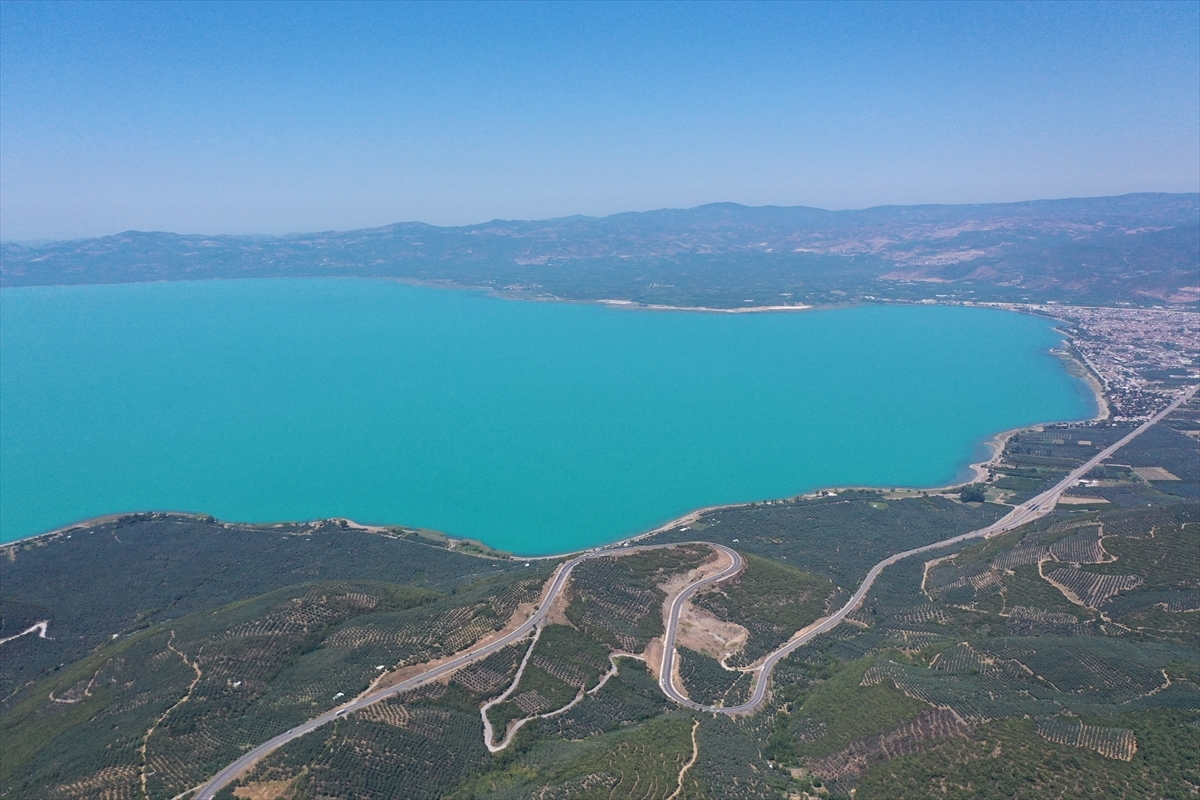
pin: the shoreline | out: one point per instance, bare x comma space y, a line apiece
499, 293
520, 295
978, 470
634, 305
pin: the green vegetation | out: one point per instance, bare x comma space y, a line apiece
707, 682
1007, 759
426, 750
982, 552
142, 569
59, 734
564, 663
845, 711
214, 683
839, 537
1162, 625
1166, 561
629, 698
641, 763
975, 676
731, 764
617, 600
1033, 461
1026, 588
1162, 446
858, 715
972, 493
769, 599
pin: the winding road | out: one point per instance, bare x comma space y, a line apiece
1028, 511
557, 583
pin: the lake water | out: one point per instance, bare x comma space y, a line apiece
536, 427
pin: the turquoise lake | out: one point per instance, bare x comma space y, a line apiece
536, 427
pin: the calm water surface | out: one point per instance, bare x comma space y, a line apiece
537, 427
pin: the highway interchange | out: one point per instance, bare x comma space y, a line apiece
1028, 511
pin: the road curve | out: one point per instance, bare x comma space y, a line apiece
666, 669
1030, 510
557, 584
1026, 512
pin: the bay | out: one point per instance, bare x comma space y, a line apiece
535, 427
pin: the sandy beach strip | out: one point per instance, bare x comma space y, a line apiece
660, 307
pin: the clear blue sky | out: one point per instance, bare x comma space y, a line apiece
271, 118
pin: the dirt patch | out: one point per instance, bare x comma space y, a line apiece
556, 614
653, 655
264, 790
677, 583
1154, 474
654, 651
703, 632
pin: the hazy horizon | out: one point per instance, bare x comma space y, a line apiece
271, 119
568, 216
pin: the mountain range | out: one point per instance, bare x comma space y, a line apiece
1142, 249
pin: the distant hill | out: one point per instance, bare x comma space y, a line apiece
1136, 248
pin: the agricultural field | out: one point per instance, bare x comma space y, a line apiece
1061, 659
1158, 468
1019, 658
629, 698
419, 744
129, 573
564, 664
174, 693
840, 536
618, 600
1034, 460
178, 701
707, 682
644, 762
1013, 758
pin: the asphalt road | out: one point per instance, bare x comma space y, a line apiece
234, 770
1026, 512
666, 671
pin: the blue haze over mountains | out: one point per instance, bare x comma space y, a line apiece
1142, 249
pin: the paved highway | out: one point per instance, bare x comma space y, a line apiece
1028, 511
559, 581
666, 671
